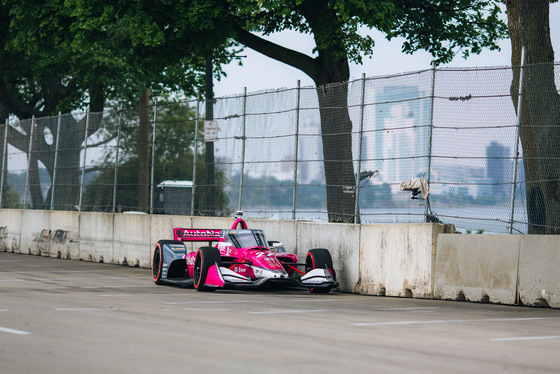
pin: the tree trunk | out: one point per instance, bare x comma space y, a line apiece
3, 166
330, 72
67, 181
144, 152
37, 201
71, 136
528, 24
336, 130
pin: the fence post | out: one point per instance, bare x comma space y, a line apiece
55, 159
153, 160
361, 137
117, 161
296, 150
516, 154
430, 137
195, 153
29, 160
84, 167
4, 163
240, 197
210, 204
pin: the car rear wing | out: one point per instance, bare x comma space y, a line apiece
197, 235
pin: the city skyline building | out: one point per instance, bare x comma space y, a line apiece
398, 145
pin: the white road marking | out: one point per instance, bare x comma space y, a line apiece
403, 309
84, 309
449, 321
3, 310
290, 311
201, 309
157, 294
12, 331
521, 338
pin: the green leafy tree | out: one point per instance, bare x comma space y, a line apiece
149, 40
34, 81
442, 28
174, 152
62, 55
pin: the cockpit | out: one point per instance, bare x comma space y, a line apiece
247, 238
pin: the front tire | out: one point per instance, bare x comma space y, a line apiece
205, 257
319, 258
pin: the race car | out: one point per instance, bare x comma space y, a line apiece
241, 258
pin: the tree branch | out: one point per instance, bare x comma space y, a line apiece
18, 140
288, 56
20, 110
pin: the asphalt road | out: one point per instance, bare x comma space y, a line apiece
66, 316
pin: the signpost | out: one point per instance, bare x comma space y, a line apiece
210, 131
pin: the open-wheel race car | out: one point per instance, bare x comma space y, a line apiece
241, 258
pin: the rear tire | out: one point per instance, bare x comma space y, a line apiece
205, 257
319, 258
157, 260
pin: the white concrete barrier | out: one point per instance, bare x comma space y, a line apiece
396, 259
10, 230
34, 237
477, 267
64, 238
37, 232
132, 239
407, 260
342, 241
96, 238
539, 270
161, 228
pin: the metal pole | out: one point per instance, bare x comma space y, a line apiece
55, 160
84, 167
360, 140
240, 197
117, 161
195, 152
153, 160
516, 154
4, 163
29, 160
296, 150
210, 208
430, 136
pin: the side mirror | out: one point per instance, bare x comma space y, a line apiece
222, 245
278, 247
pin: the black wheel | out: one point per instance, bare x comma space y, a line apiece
205, 257
157, 260
319, 258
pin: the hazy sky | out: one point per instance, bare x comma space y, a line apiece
259, 72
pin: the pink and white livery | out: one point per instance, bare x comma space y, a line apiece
241, 258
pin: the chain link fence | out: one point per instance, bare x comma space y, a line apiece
306, 153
